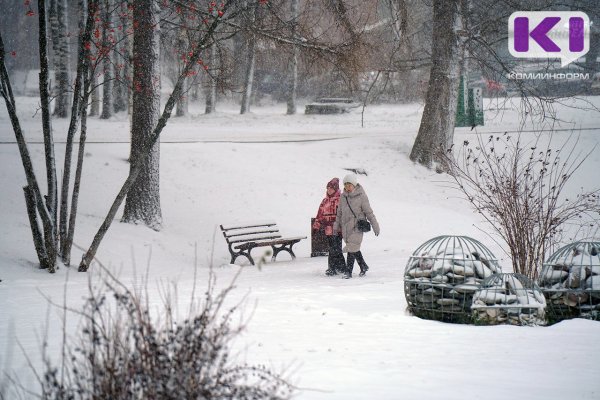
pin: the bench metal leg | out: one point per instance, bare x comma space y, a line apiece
283, 247
236, 254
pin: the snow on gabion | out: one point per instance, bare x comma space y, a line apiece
509, 299
443, 274
570, 280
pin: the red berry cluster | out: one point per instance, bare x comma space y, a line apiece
214, 10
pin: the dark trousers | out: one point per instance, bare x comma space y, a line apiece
336, 257
359, 258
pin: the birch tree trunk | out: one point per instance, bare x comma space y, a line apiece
211, 94
143, 199
50, 234
61, 60
121, 59
107, 63
183, 101
95, 97
293, 73
436, 132
250, 63
79, 106
182, 45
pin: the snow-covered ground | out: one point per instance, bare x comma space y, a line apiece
335, 338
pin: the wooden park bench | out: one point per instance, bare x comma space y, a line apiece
331, 105
242, 238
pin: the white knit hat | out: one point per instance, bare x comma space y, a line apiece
351, 178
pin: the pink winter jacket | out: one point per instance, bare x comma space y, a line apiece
327, 212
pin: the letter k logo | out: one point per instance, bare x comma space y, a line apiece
539, 34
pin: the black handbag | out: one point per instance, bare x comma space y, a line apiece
361, 224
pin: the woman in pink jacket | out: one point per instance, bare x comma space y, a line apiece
324, 221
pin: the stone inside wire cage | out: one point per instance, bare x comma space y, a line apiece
570, 280
443, 274
509, 299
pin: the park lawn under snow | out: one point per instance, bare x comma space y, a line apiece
332, 338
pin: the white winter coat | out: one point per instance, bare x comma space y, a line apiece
345, 221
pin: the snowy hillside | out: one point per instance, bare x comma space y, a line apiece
335, 338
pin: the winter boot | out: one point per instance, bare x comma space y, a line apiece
336, 257
362, 264
349, 265
330, 272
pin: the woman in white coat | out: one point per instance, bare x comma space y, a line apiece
354, 205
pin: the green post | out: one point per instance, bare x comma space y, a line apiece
469, 110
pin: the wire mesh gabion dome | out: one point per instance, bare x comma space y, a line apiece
570, 280
509, 299
442, 275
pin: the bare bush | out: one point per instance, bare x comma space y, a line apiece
122, 352
519, 189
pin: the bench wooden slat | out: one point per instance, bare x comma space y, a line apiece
254, 238
249, 232
269, 242
248, 225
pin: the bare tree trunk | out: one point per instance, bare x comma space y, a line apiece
143, 199
183, 101
79, 104
249, 77
250, 64
108, 74
61, 60
38, 240
121, 60
436, 131
127, 49
32, 191
77, 183
51, 199
95, 97
211, 95
182, 44
293, 73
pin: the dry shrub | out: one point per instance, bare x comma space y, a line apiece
122, 352
519, 188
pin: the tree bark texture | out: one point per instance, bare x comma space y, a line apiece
211, 94
32, 191
80, 98
95, 97
50, 234
183, 101
250, 64
182, 45
77, 184
38, 240
108, 60
143, 199
293, 70
436, 131
61, 59
123, 60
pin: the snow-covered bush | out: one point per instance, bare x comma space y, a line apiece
122, 352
